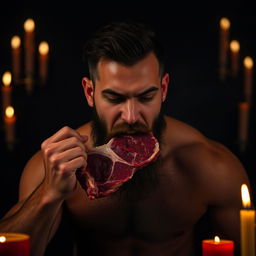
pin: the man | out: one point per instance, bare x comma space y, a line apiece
158, 212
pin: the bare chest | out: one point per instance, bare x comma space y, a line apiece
168, 211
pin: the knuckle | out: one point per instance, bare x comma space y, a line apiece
48, 151
74, 140
62, 168
54, 160
44, 144
66, 129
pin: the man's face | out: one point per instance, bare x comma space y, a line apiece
127, 99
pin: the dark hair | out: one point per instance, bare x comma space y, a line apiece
125, 42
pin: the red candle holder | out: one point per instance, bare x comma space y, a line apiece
221, 248
14, 244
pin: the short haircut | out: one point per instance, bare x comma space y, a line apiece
125, 42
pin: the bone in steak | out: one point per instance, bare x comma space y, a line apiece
112, 164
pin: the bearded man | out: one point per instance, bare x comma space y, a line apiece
158, 211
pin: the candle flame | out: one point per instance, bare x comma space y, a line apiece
15, 42
216, 239
234, 46
29, 25
245, 196
224, 23
9, 112
248, 62
7, 78
2, 239
43, 48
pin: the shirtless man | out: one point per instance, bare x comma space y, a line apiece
158, 211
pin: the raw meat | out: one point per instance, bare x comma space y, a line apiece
112, 164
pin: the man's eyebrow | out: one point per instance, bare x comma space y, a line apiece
151, 89
112, 92
109, 91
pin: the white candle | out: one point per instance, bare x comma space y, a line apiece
247, 221
234, 49
223, 47
6, 89
29, 26
15, 43
43, 61
10, 120
248, 79
243, 125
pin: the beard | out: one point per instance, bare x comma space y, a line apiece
145, 180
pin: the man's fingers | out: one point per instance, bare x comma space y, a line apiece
64, 133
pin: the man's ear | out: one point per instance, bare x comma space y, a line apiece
164, 86
88, 90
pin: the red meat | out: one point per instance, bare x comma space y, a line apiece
112, 164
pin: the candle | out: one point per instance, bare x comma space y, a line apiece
29, 26
15, 43
223, 47
248, 78
14, 244
6, 89
243, 125
218, 247
43, 61
247, 222
234, 48
10, 120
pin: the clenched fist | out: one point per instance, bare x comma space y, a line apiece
63, 154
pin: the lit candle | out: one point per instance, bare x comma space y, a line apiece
13, 244
248, 78
6, 89
243, 125
234, 48
10, 120
29, 26
218, 247
247, 222
43, 61
223, 47
15, 43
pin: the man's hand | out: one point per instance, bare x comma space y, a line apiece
63, 154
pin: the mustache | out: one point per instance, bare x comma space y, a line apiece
125, 128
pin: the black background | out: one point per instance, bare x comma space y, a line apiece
196, 96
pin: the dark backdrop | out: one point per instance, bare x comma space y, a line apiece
196, 96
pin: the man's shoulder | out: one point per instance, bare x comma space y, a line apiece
207, 161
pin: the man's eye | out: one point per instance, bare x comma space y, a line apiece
146, 99
115, 100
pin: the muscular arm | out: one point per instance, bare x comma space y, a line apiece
48, 178
35, 213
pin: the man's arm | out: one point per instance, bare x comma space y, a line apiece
48, 178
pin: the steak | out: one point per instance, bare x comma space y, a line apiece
112, 164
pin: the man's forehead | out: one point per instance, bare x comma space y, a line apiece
138, 77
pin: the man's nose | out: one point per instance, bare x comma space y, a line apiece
130, 112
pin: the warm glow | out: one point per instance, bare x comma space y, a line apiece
216, 239
245, 196
224, 23
244, 106
15, 42
29, 25
7, 78
43, 48
9, 112
248, 62
234, 46
2, 239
